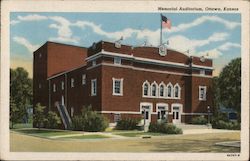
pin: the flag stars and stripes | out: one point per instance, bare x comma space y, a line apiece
166, 23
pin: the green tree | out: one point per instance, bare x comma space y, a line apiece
14, 112
229, 84
20, 90
39, 117
53, 120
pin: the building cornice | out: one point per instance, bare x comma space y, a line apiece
145, 60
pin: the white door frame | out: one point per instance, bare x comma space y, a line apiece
180, 110
165, 105
149, 110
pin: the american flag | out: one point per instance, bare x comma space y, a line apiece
166, 23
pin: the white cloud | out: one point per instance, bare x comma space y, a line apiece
126, 33
32, 17
14, 22
22, 41
64, 33
228, 45
201, 20
212, 54
182, 43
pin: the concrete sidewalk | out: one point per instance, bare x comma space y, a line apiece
201, 129
111, 135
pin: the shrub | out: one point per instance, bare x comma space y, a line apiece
164, 128
52, 121
77, 123
39, 116
89, 120
127, 124
221, 124
201, 120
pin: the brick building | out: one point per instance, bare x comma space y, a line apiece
122, 81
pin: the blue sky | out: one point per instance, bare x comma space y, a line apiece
218, 36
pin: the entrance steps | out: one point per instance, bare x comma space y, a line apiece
64, 115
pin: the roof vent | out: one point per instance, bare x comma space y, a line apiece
94, 46
202, 59
118, 43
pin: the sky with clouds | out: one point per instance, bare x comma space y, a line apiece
216, 36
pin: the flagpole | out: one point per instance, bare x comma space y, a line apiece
161, 29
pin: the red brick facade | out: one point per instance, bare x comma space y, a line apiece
65, 74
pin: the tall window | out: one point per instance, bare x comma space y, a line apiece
62, 85
154, 89
117, 60
169, 90
72, 82
202, 93
117, 86
177, 91
146, 87
93, 87
83, 79
161, 90
93, 62
72, 111
54, 87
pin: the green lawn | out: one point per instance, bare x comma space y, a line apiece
137, 134
45, 132
20, 142
94, 136
21, 125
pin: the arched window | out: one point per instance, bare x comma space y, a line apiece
146, 88
154, 89
169, 90
177, 91
161, 89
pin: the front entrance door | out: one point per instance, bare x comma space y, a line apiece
146, 114
176, 115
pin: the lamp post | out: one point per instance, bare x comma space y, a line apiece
208, 115
144, 119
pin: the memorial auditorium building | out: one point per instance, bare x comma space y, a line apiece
122, 81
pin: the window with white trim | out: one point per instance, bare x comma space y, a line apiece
83, 79
93, 87
72, 82
177, 91
202, 72
117, 60
202, 93
161, 90
117, 117
146, 88
94, 63
72, 111
118, 86
154, 89
62, 85
40, 86
54, 87
169, 90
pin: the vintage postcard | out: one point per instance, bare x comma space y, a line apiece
124, 80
